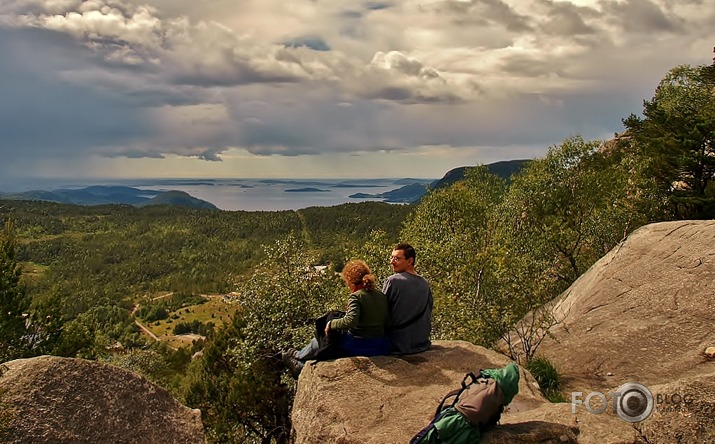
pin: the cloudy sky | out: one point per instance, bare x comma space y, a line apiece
324, 88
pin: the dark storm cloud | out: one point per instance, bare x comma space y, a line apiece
377, 6
486, 12
567, 19
40, 113
351, 15
642, 16
135, 154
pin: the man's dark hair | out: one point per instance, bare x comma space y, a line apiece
408, 251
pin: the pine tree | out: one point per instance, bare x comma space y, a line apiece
676, 135
13, 299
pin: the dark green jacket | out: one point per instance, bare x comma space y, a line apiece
367, 314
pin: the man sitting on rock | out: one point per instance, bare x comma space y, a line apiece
410, 299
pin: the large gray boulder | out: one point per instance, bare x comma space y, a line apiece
389, 399
51, 400
645, 312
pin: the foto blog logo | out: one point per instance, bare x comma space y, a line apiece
632, 402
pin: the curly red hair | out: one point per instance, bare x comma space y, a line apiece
356, 272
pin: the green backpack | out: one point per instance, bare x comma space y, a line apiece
477, 406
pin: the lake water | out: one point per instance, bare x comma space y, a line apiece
241, 194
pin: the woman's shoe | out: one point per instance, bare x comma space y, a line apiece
294, 367
287, 355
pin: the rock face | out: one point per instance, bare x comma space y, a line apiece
684, 412
643, 313
51, 400
389, 399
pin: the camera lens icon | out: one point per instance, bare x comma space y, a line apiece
635, 402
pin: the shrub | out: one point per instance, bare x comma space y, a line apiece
548, 378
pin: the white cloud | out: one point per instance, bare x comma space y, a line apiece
159, 78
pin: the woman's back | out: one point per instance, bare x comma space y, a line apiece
367, 314
374, 314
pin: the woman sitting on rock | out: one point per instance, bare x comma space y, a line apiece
363, 325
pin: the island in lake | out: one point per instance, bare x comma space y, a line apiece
306, 190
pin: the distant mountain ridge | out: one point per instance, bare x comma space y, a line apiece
504, 169
106, 195
411, 190
405, 194
415, 189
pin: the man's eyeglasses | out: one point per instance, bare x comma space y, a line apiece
395, 258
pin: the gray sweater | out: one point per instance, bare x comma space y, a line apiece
410, 299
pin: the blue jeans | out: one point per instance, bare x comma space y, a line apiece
349, 346
308, 352
355, 346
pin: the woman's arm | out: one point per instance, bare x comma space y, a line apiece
352, 316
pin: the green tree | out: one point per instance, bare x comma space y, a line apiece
675, 140
454, 232
375, 251
560, 215
13, 299
238, 384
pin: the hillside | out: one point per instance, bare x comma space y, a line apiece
105, 195
405, 194
504, 169
178, 199
414, 189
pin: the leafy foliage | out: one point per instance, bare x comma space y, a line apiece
13, 301
453, 230
195, 326
335, 232
494, 254
675, 139
238, 382
561, 214
158, 363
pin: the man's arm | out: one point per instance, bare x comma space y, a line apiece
388, 289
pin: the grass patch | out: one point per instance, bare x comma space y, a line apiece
32, 272
215, 310
548, 378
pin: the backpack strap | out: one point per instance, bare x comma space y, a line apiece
469, 379
474, 378
456, 392
417, 439
440, 407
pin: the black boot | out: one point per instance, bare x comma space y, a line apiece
294, 366
287, 355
